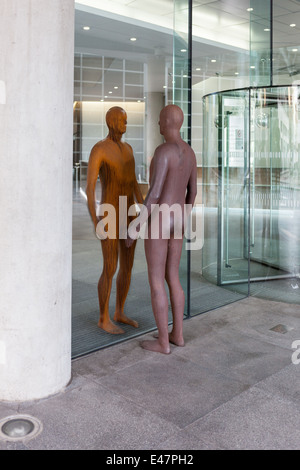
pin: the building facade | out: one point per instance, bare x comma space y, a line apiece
234, 69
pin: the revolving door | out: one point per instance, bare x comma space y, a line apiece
251, 186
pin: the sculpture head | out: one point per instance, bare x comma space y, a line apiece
116, 120
171, 119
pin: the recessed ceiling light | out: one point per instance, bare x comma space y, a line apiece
267, 29
132, 39
164, 86
236, 73
110, 92
101, 100
182, 50
295, 50
292, 25
116, 87
198, 68
213, 60
86, 28
252, 66
249, 9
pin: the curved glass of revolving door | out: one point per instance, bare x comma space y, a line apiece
226, 190
251, 190
275, 193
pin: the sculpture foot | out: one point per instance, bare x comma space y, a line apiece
173, 340
178, 341
155, 346
110, 327
121, 318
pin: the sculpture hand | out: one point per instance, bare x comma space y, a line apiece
129, 241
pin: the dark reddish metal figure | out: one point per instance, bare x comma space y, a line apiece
173, 181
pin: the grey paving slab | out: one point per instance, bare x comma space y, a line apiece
256, 318
187, 439
233, 386
173, 387
244, 358
92, 417
110, 360
284, 384
254, 420
7, 409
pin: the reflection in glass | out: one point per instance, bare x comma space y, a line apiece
260, 43
226, 195
181, 86
251, 184
136, 82
275, 185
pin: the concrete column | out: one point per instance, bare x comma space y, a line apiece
36, 77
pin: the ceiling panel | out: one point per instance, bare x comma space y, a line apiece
236, 9
288, 5
154, 7
214, 17
220, 29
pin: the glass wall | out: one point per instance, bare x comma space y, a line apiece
220, 61
181, 96
234, 80
286, 42
246, 141
127, 63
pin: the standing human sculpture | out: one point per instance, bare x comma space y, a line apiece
173, 183
113, 162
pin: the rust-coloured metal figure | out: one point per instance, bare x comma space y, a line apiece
173, 182
113, 161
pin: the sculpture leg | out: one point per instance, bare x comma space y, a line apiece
156, 255
126, 257
110, 261
177, 296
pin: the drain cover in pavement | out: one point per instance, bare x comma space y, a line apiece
281, 329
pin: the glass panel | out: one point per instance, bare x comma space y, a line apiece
275, 186
220, 62
266, 213
111, 70
260, 43
225, 263
181, 62
113, 63
181, 85
134, 78
286, 42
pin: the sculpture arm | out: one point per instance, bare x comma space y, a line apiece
136, 189
137, 193
92, 176
160, 166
